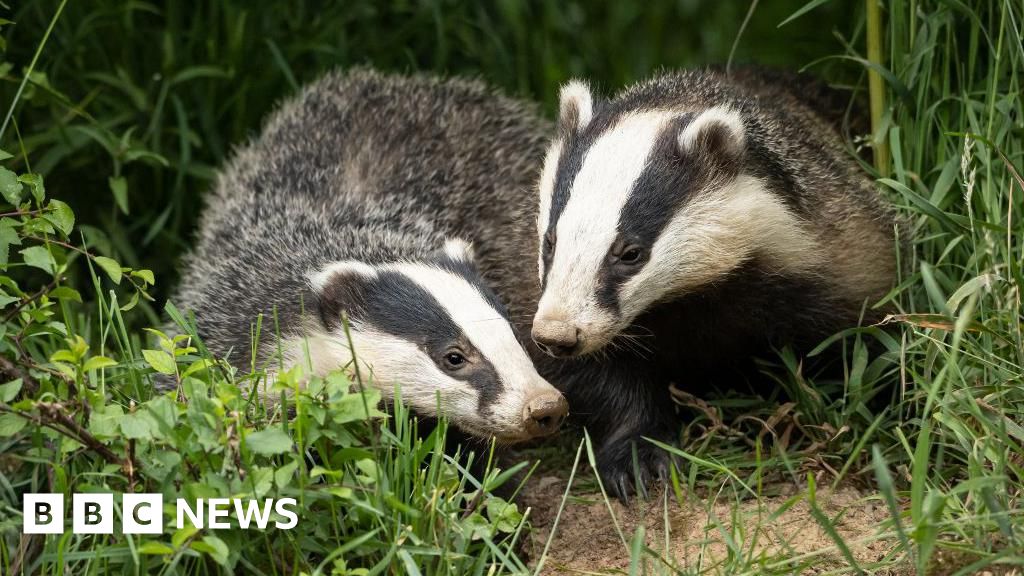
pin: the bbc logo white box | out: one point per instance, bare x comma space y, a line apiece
43, 513
142, 513
92, 513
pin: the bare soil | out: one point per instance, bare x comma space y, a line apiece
586, 541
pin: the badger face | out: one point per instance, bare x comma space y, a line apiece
434, 329
639, 206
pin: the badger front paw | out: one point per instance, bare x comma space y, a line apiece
623, 475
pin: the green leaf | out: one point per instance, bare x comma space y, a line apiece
268, 442
157, 548
7, 237
10, 390
215, 547
505, 516
10, 187
183, 534
161, 361
39, 257
35, 183
137, 425
11, 424
5, 155
61, 216
97, 362
197, 366
110, 266
283, 475
6, 298
353, 407
145, 275
132, 302
65, 293
104, 424
64, 356
119, 187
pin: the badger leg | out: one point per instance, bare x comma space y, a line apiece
622, 402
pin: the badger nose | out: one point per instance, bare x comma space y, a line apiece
544, 413
557, 338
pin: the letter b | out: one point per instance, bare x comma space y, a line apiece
43, 514
92, 513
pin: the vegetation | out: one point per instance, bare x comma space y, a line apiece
116, 114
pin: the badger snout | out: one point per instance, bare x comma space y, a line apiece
543, 413
556, 337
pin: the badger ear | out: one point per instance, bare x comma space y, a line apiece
459, 250
341, 287
575, 107
717, 136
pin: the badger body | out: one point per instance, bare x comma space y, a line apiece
331, 216
689, 224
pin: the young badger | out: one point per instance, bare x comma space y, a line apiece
303, 222
689, 223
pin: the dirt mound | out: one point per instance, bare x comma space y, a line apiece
699, 535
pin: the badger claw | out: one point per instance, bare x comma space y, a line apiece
615, 466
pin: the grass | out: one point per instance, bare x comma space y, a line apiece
126, 109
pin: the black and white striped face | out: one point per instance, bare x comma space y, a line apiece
434, 329
641, 205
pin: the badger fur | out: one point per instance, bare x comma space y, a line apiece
332, 212
687, 224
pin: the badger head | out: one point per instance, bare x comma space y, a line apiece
639, 206
436, 331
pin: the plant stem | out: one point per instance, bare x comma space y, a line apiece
876, 89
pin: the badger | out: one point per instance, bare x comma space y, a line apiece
320, 226
686, 225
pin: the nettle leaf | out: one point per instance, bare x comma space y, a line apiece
110, 266
353, 407
39, 257
61, 216
161, 361
10, 187
137, 425
104, 424
119, 187
164, 416
5, 155
11, 424
268, 442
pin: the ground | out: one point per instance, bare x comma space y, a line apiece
774, 528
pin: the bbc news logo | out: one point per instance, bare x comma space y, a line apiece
144, 513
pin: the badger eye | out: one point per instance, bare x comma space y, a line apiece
454, 360
632, 255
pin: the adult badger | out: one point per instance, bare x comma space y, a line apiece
320, 216
697, 219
